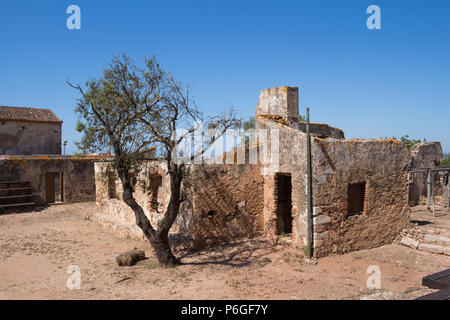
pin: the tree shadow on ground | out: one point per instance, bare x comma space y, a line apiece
237, 254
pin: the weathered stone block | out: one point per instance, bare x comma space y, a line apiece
130, 258
437, 239
316, 211
318, 243
282, 101
322, 235
321, 219
430, 248
446, 251
407, 241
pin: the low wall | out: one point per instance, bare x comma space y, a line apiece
115, 214
78, 175
222, 203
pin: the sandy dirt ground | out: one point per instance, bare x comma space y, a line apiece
37, 248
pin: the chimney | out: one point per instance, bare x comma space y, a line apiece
279, 101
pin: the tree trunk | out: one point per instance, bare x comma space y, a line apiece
163, 252
158, 239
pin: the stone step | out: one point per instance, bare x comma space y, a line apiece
10, 184
434, 248
17, 205
435, 239
426, 247
16, 199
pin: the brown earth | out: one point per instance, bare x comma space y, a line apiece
37, 248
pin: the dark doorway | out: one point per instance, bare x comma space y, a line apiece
355, 196
54, 187
50, 187
284, 203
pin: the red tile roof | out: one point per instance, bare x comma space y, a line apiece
28, 114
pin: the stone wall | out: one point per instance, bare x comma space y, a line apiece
377, 167
222, 203
359, 187
380, 165
291, 161
78, 175
321, 130
227, 202
27, 138
423, 155
279, 101
115, 214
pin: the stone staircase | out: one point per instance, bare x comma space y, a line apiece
426, 241
15, 194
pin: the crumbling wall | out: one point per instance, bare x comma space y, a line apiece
289, 149
220, 203
381, 166
423, 155
79, 184
279, 101
321, 130
377, 167
227, 202
115, 214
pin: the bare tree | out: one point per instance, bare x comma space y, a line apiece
132, 108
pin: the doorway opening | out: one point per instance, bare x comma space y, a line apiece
283, 187
355, 198
54, 187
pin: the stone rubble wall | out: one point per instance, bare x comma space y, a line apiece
222, 203
381, 164
424, 155
227, 202
321, 130
292, 161
79, 182
115, 214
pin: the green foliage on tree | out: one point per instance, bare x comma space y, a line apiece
249, 124
409, 141
445, 162
132, 108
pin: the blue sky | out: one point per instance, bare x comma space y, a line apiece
370, 83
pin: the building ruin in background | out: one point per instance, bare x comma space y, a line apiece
32, 170
28, 131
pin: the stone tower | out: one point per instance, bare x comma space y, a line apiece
279, 101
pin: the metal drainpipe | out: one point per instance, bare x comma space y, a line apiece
309, 235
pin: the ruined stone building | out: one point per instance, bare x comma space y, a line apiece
32, 170
359, 188
29, 131
424, 155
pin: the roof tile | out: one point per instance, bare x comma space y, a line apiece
28, 114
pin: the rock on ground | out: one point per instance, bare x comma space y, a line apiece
130, 258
